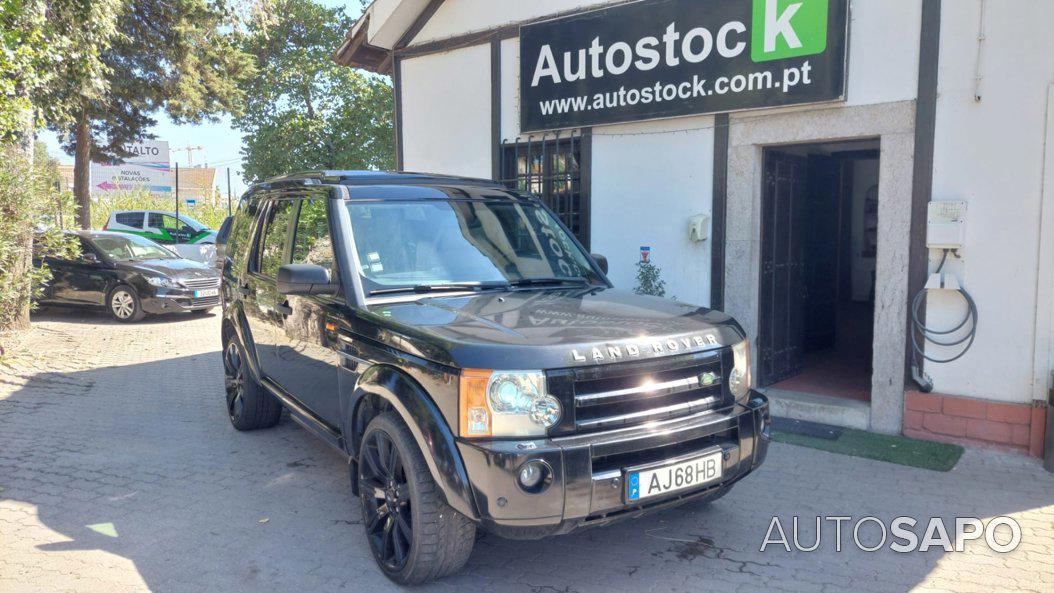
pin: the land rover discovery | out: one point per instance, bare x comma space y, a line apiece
474, 364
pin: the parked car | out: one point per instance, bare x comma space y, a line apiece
188, 237
475, 364
131, 276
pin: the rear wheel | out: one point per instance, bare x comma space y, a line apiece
249, 406
414, 535
123, 304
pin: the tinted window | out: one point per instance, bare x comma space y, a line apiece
312, 244
272, 242
132, 219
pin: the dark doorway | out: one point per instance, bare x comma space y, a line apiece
819, 229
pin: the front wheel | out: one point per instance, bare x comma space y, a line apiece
249, 406
414, 535
124, 305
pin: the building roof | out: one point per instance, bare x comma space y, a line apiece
384, 26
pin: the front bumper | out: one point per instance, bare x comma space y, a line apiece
173, 300
589, 470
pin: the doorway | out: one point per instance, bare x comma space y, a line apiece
819, 247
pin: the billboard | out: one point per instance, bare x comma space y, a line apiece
148, 168
668, 58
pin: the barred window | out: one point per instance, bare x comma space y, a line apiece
551, 168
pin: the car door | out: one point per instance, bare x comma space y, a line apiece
305, 364
83, 279
261, 298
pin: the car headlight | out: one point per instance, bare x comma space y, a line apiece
739, 380
506, 404
162, 282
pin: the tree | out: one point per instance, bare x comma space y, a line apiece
307, 112
182, 57
47, 49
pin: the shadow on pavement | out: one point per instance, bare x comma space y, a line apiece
141, 463
99, 316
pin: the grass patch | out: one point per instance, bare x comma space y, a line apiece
894, 449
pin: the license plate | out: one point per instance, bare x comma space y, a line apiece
211, 292
641, 484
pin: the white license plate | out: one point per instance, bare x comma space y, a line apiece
211, 292
674, 477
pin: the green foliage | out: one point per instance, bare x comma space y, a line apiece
50, 50
649, 280
180, 56
27, 202
205, 212
305, 111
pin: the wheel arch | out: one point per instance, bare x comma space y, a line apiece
384, 387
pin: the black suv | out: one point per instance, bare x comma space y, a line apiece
474, 364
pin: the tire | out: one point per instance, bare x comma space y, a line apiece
123, 304
249, 405
440, 539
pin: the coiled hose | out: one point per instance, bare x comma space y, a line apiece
939, 337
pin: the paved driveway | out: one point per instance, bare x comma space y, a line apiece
120, 472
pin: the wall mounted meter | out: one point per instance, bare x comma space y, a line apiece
946, 224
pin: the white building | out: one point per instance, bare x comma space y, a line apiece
820, 133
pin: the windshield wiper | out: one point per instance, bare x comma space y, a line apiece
525, 282
429, 288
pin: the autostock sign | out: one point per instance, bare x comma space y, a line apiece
666, 58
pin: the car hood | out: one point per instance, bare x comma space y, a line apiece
550, 329
173, 268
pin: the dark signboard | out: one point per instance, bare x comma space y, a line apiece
665, 58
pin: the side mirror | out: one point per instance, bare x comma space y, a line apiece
304, 279
602, 261
89, 258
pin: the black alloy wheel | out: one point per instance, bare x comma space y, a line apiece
386, 501
249, 406
234, 381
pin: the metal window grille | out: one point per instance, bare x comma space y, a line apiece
550, 167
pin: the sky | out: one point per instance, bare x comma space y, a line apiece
221, 144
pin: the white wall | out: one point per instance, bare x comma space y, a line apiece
648, 179
990, 153
446, 112
457, 17
510, 89
884, 50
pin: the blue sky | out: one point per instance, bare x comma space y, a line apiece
221, 144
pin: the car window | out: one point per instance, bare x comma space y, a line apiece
132, 219
410, 243
158, 220
127, 247
312, 243
272, 242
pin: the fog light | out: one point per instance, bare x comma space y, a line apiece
534, 476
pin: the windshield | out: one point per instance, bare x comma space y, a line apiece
130, 248
462, 242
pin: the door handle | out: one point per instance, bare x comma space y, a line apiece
284, 309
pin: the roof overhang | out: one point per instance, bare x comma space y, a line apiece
382, 28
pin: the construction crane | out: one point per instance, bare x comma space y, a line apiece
190, 152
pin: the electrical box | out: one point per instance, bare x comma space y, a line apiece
946, 225
699, 228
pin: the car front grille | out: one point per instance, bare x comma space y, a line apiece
627, 394
212, 301
201, 283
